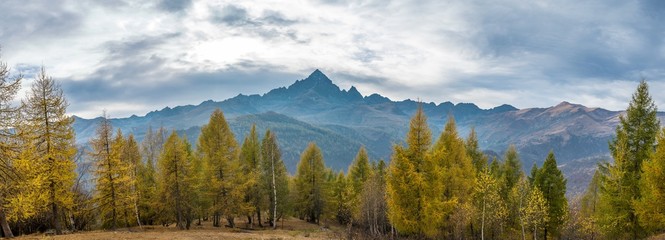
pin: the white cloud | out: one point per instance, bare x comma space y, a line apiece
528, 54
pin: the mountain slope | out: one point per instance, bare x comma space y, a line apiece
340, 121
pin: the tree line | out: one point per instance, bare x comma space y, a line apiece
444, 188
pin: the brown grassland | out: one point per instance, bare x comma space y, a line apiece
292, 228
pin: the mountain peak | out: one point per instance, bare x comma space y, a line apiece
317, 75
567, 105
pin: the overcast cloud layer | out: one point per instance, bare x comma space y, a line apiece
131, 57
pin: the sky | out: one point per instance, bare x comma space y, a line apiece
131, 57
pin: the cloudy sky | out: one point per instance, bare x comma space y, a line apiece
132, 57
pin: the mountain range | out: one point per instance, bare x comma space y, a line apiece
314, 109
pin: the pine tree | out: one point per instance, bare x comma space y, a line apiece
511, 169
651, 208
495, 169
250, 155
311, 184
359, 172
511, 172
414, 183
342, 191
124, 178
9, 120
220, 152
477, 156
49, 130
552, 183
108, 173
633, 144
175, 175
458, 175
275, 179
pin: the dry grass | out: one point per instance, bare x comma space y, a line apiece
290, 229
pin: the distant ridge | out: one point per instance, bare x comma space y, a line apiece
340, 121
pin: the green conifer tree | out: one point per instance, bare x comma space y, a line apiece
552, 183
633, 145
651, 207
478, 158
311, 184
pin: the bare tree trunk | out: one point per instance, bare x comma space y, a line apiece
258, 217
5, 225
274, 192
482, 223
136, 212
231, 222
54, 210
177, 198
522, 220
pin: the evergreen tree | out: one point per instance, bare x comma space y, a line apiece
107, 173
275, 181
511, 169
48, 131
125, 195
414, 183
633, 144
651, 208
477, 156
458, 176
495, 169
250, 155
175, 175
311, 183
552, 183
534, 174
359, 172
220, 152
342, 191
511, 172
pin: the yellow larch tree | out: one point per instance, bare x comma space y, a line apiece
48, 130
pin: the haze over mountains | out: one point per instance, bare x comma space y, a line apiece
340, 121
